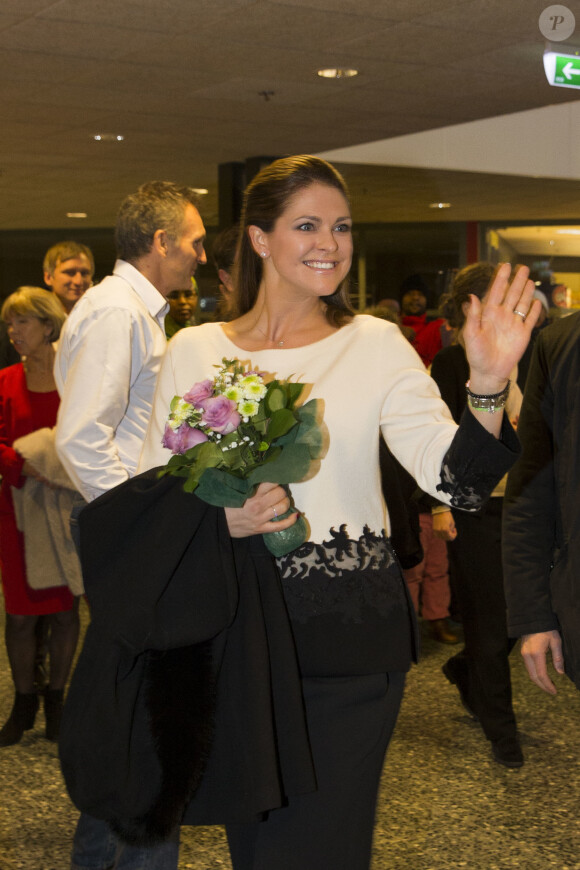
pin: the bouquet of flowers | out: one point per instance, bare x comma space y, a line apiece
234, 432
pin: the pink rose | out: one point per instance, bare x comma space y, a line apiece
199, 393
221, 415
182, 439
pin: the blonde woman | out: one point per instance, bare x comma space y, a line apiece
29, 402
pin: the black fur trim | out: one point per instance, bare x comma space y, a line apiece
181, 704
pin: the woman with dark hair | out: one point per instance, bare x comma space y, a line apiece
353, 626
481, 669
266, 199
28, 403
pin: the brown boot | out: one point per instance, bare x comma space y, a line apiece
441, 632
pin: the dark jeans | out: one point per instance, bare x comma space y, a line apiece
95, 847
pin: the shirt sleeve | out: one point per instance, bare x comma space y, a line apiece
94, 400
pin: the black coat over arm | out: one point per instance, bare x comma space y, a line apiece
185, 705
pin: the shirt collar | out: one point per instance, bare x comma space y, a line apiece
156, 304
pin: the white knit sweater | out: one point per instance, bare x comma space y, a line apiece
367, 377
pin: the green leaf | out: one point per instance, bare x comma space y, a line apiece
228, 439
182, 471
293, 392
270, 454
311, 412
308, 431
262, 416
222, 489
280, 422
197, 460
177, 460
275, 398
235, 458
290, 465
207, 454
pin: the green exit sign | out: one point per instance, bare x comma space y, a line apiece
562, 70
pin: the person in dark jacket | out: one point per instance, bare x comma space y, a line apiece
481, 671
541, 519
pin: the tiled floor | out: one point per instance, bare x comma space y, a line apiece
444, 803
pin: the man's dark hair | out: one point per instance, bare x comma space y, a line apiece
415, 282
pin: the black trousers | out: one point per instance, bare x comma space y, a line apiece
476, 570
350, 722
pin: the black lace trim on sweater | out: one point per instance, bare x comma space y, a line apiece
476, 462
343, 577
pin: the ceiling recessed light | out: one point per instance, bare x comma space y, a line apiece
76, 214
439, 205
338, 73
108, 137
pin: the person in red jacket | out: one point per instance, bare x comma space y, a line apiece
427, 341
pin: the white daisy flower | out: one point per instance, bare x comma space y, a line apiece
248, 408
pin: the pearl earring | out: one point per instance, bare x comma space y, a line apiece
263, 254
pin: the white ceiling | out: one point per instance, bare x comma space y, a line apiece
183, 82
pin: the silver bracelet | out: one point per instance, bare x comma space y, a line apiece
491, 403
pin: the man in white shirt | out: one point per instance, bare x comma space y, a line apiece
106, 365
113, 340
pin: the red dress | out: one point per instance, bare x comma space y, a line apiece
21, 412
